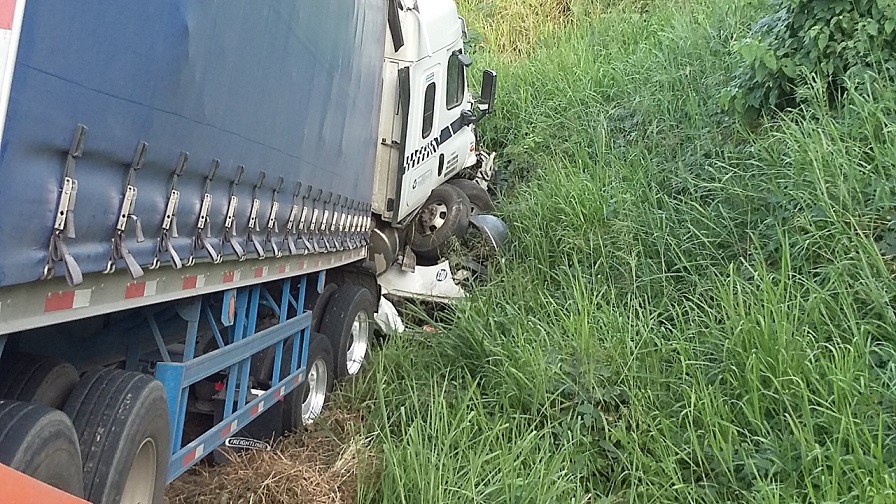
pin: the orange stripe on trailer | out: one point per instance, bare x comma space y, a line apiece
21, 489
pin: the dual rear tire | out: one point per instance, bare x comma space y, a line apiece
103, 437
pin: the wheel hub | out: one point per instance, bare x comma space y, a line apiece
433, 217
317, 391
141, 482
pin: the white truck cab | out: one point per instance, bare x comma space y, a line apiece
427, 137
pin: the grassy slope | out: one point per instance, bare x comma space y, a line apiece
691, 312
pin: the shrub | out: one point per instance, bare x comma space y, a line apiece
834, 41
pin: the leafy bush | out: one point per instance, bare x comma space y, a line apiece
834, 41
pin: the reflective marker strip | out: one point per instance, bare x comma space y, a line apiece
230, 429
194, 455
66, 300
261, 272
193, 282
258, 407
231, 276
283, 268
140, 289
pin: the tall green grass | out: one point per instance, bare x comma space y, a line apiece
691, 310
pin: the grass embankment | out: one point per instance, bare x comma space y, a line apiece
691, 311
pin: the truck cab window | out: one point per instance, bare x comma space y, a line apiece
454, 88
429, 109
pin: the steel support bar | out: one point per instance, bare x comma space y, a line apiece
184, 458
213, 362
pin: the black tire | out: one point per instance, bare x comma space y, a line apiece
317, 302
319, 349
41, 442
116, 413
453, 209
37, 379
348, 304
480, 201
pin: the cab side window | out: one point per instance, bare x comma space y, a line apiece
429, 109
454, 88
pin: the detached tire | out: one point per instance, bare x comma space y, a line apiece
480, 201
445, 214
306, 402
37, 379
41, 442
348, 322
121, 419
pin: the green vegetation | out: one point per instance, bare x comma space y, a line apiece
692, 310
834, 41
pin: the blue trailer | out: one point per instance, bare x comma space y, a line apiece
198, 203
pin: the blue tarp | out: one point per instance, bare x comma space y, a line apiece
291, 87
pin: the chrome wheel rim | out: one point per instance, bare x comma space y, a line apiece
357, 349
141, 483
317, 391
433, 217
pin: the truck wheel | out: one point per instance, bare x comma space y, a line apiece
305, 403
121, 418
40, 442
445, 214
37, 379
348, 322
480, 201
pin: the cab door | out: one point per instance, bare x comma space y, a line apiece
421, 159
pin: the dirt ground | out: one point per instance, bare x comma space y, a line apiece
320, 465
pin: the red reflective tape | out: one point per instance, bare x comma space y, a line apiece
257, 409
135, 290
7, 13
190, 282
282, 268
193, 455
229, 276
227, 430
259, 272
57, 301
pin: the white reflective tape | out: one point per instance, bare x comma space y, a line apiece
200, 280
82, 298
151, 287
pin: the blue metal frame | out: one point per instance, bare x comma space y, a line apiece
239, 315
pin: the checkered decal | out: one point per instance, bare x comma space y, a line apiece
422, 154
428, 150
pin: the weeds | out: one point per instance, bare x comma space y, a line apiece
690, 311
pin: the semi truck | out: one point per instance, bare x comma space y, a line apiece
204, 207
